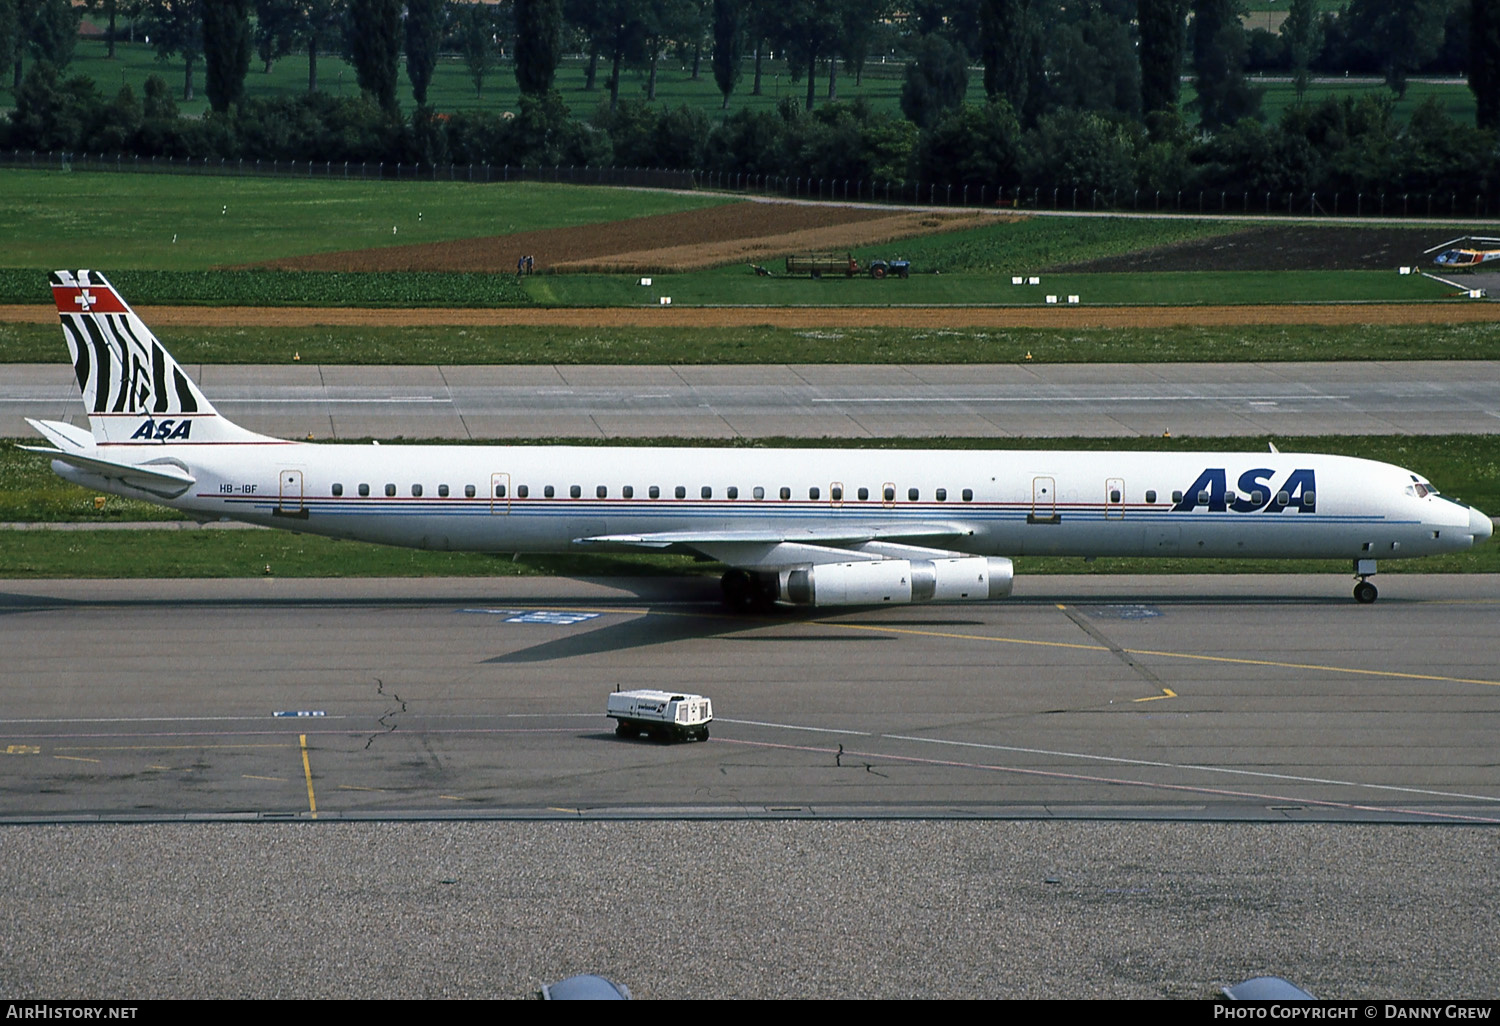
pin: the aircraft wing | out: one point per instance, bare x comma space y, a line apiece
773, 549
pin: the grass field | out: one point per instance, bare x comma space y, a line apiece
130, 221
147, 222
450, 345
738, 287
1465, 467
158, 236
1455, 98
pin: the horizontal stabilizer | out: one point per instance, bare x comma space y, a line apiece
65, 436
164, 479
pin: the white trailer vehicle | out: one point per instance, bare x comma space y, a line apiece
662, 715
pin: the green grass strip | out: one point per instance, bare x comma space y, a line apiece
451, 345
287, 288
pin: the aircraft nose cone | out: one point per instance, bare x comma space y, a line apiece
1480, 525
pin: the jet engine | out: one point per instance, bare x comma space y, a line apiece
898, 581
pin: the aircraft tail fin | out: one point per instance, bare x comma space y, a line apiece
132, 388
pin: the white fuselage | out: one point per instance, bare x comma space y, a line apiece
1007, 503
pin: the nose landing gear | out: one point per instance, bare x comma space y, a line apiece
1364, 591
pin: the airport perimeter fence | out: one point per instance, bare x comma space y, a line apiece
1425, 205
644, 177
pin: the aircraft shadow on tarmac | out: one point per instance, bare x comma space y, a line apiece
658, 626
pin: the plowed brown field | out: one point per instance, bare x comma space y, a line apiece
659, 244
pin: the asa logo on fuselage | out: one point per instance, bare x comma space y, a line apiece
163, 430
1253, 492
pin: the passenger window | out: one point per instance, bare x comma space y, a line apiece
1282, 498
864, 494
786, 493
338, 490
1176, 496
499, 491
390, 491
680, 492
911, 494
521, 491
364, 491
654, 492
416, 491
574, 491
1257, 498
813, 493
707, 492
942, 495
1309, 500
1151, 495
968, 495
442, 491
1203, 497
732, 492
1230, 497
602, 492
628, 491
836, 493
759, 493
889, 493
1114, 495
548, 492
469, 491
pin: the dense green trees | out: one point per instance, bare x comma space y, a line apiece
1163, 40
538, 47
1218, 63
729, 45
425, 22
1484, 61
1081, 102
226, 51
936, 80
374, 38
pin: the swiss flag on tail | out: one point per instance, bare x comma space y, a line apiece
74, 298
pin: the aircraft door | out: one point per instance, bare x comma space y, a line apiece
1114, 498
1043, 501
499, 494
289, 498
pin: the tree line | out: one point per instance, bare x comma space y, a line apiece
1078, 95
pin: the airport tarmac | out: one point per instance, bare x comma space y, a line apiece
817, 400
1203, 697
1108, 787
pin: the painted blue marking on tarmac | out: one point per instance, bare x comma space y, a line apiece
548, 616
1124, 612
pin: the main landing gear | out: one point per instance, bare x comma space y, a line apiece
747, 592
1364, 591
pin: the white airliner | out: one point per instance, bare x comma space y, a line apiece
821, 527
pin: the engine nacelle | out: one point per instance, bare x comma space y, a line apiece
962, 579
899, 581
